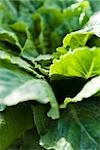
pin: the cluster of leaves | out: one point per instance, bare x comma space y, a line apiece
48, 93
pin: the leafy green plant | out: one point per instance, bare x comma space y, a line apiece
49, 89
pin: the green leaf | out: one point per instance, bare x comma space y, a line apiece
19, 26
7, 14
56, 4
80, 38
44, 24
48, 32
60, 51
30, 141
29, 51
18, 86
77, 15
76, 39
82, 62
14, 59
43, 57
10, 9
77, 129
95, 6
14, 121
9, 37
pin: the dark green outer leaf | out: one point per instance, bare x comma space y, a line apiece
17, 60
30, 141
95, 5
14, 122
77, 129
23, 87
